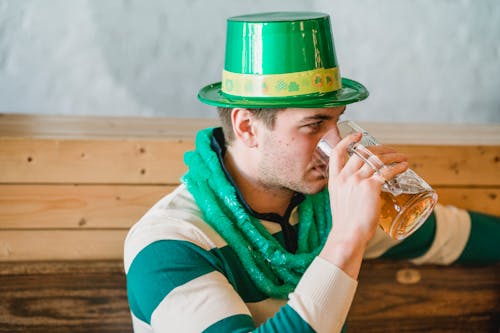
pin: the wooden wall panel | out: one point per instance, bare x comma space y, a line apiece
92, 161
161, 128
76, 206
56, 235
485, 199
120, 206
161, 162
71, 187
54, 245
455, 165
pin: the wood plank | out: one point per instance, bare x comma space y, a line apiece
64, 297
120, 206
455, 165
24, 236
92, 161
90, 297
76, 206
97, 127
161, 162
445, 299
63, 126
435, 134
486, 200
53, 245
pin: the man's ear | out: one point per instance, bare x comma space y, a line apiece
244, 126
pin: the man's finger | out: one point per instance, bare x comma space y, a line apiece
339, 155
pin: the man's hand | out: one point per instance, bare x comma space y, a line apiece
354, 189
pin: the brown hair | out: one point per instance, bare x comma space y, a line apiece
267, 116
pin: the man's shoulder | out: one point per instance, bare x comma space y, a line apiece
177, 201
175, 217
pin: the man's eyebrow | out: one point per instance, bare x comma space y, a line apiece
316, 117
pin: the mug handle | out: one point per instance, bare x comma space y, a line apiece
376, 164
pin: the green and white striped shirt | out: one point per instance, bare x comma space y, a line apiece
182, 276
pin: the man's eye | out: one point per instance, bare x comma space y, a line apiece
315, 126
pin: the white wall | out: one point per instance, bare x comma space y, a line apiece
423, 61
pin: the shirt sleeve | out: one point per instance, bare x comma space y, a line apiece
483, 245
453, 227
449, 235
323, 296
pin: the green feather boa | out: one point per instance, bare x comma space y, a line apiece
273, 269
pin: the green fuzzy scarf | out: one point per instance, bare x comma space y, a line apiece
273, 269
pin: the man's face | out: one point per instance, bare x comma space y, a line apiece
286, 158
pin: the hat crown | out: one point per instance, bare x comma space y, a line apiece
279, 60
278, 43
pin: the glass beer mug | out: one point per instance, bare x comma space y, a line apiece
407, 200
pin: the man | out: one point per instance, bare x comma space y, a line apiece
256, 237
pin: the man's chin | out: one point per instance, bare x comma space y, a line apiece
315, 187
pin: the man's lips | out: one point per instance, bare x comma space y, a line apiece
320, 166
320, 169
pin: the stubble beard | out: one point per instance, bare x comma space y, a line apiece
281, 183
279, 177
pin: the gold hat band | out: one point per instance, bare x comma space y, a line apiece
321, 80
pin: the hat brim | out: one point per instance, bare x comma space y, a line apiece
350, 92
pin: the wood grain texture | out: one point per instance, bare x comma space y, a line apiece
161, 162
111, 150
442, 165
74, 127
446, 299
81, 207
90, 297
480, 199
92, 161
53, 245
64, 297
26, 206
97, 127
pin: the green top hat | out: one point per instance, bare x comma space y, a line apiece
280, 60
